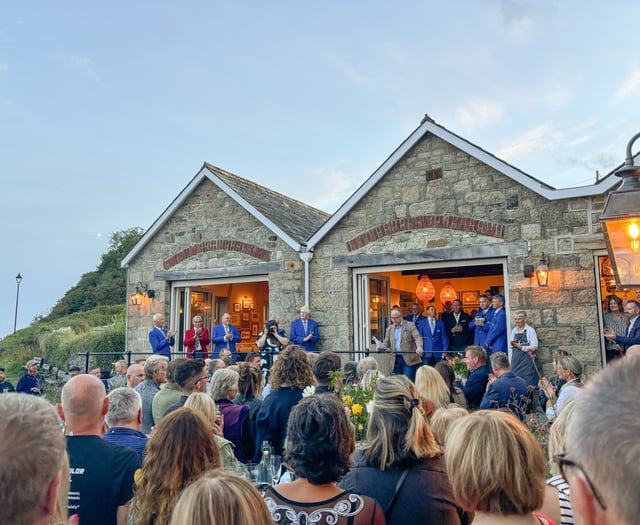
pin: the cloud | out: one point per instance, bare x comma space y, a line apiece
347, 69
517, 17
336, 187
539, 138
630, 85
478, 113
84, 65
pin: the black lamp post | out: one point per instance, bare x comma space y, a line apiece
620, 220
15, 319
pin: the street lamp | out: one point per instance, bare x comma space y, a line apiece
620, 220
15, 319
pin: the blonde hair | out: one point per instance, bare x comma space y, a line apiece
370, 378
442, 420
431, 385
495, 464
219, 498
202, 404
398, 430
557, 435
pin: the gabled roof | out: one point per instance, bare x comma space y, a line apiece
291, 220
429, 126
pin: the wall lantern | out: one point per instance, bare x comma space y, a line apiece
448, 293
140, 292
620, 221
425, 290
542, 272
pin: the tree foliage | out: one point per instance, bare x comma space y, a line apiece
104, 286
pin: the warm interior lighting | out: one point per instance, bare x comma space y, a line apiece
542, 272
634, 233
425, 290
448, 293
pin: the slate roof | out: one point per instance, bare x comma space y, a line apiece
300, 221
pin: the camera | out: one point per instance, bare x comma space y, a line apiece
272, 326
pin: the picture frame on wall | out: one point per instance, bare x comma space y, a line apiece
245, 316
235, 319
236, 307
245, 334
245, 304
470, 298
254, 329
252, 305
255, 317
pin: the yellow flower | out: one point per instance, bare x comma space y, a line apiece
356, 409
347, 400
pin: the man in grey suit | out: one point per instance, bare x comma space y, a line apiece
403, 339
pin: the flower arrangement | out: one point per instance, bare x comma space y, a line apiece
459, 366
357, 401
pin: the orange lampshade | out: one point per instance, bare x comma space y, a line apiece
425, 290
448, 293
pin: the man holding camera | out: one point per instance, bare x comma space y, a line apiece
270, 341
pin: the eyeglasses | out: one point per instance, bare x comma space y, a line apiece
202, 379
563, 462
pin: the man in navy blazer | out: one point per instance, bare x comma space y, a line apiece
474, 388
482, 321
304, 331
161, 339
497, 335
506, 390
434, 338
632, 309
416, 317
225, 335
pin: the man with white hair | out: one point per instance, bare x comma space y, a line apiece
135, 375
155, 374
32, 452
124, 418
304, 331
101, 473
161, 339
602, 459
119, 379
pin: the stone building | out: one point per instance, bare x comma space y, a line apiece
438, 206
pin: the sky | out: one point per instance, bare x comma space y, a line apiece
108, 109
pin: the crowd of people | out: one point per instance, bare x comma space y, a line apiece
175, 441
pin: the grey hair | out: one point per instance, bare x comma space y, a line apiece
365, 364
605, 413
520, 313
197, 318
124, 405
152, 364
222, 381
572, 364
156, 317
500, 361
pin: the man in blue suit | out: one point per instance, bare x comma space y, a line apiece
416, 316
482, 321
632, 309
497, 334
161, 339
505, 390
434, 338
225, 335
304, 331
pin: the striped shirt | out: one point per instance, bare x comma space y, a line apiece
564, 499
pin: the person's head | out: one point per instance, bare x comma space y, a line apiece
224, 384
120, 367
272, 326
202, 404
396, 316
190, 376
125, 408
633, 350
350, 371
365, 364
489, 294
326, 363
158, 320
135, 375
305, 312
415, 309
96, 371
225, 354
602, 453
445, 369
430, 384
291, 369
32, 459
498, 301
226, 319
457, 305
155, 369
569, 368
474, 357
84, 404
171, 369
520, 318
556, 443
178, 452
442, 419
557, 354
508, 480
614, 303
253, 359
398, 431
370, 378
484, 301
74, 371
320, 440
197, 321
250, 382
431, 311
216, 364
2, 376
500, 363
632, 308
220, 498
32, 367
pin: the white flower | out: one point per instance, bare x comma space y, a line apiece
309, 391
370, 407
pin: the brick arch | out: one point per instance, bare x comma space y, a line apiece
447, 222
217, 244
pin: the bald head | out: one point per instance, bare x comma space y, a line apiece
633, 350
83, 396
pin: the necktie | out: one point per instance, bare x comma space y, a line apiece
433, 325
304, 323
226, 331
